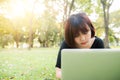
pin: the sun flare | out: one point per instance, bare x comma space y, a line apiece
18, 8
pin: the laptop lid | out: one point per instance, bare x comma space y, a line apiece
90, 64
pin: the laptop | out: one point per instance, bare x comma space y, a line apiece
90, 64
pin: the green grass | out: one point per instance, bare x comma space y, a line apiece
115, 47
23, 64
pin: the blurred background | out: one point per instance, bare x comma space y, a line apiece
31, 32
40, 23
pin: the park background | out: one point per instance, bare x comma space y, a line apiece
31, 32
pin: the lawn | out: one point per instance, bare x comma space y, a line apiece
23, 64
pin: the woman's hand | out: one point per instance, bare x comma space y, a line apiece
58, 73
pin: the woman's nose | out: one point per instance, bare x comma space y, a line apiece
82, 37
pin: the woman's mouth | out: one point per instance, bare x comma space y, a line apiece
83, 43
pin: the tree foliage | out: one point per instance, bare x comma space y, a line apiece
48, 27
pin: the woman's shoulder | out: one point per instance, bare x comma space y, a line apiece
97, 39
98, 43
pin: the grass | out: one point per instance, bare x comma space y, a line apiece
22, 64
115, 47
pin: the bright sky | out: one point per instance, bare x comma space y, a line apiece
19, 7
115, 5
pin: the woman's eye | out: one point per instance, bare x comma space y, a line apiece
85, 32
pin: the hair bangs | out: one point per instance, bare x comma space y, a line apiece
82, 28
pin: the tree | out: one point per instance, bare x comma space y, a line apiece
47, 31
106, 6
31, 26
5, 31
64, 10
114, 25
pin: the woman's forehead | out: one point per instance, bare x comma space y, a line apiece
84, 27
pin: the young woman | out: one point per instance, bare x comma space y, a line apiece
79, 33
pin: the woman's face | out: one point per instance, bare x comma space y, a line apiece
83, 40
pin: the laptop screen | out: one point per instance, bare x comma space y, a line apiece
90, 64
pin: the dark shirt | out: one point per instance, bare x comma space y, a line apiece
98, 43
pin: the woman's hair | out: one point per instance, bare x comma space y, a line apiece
75, 24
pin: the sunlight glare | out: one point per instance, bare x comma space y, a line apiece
115, 5
18, 8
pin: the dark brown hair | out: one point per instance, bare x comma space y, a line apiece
75, 24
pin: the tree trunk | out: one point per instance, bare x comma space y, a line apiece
17, 44
106, 29
31, 27
71, 6
106, 5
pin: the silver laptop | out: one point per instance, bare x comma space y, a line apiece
90, 64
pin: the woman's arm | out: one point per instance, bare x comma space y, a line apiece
58, 73
58, 63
